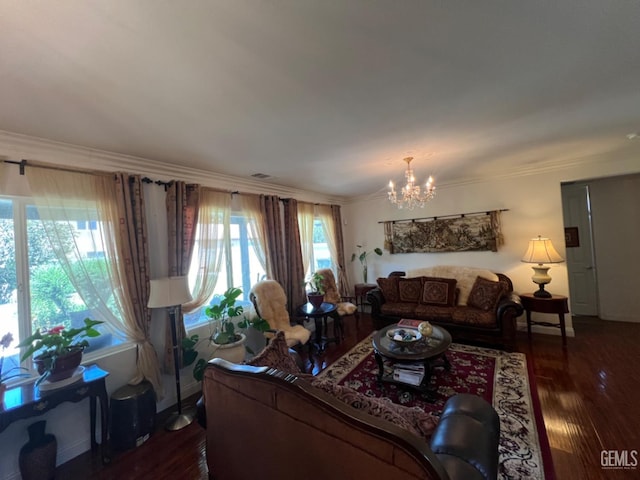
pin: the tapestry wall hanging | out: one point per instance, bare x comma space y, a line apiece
460, 233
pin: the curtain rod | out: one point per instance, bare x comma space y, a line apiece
461, 215
285, 200
23, 163
26, 163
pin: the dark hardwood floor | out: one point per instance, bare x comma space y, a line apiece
589, 393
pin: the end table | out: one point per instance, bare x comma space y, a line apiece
556, 304
319, 316
361, 290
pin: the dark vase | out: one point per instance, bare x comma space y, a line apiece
315, 299
37, 457
64, 365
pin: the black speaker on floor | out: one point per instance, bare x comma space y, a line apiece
133, 415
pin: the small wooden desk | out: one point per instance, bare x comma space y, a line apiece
26, 401
556, 304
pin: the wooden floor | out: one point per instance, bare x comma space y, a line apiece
589, 393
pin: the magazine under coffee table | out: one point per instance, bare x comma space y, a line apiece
411, 365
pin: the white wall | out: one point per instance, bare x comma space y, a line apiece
535, 208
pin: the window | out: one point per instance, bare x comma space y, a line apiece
240, 265
321, 254
35, 290
314, 223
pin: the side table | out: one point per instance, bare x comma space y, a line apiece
556, 304
319, 316
361, 290
26, 401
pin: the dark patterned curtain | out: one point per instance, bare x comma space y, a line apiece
343, 282
182, 202
275, 252
294, 286
133, 250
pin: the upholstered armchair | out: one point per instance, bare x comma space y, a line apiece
270, 302
344, 304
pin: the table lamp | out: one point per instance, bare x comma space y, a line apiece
541, 251
171, 293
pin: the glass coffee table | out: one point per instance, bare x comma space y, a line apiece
411, 365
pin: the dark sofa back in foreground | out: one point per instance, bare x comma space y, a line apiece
263, 423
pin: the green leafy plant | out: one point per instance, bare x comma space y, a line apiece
59, 340
48, 345
315, 283
362, 256
13, 372
223, 331
189, 345
222, 312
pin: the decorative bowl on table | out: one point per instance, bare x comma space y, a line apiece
404, 337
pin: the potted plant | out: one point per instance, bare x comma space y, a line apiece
315, 295
228, 343
362, 256
58, 351
189, 344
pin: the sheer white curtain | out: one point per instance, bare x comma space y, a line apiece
209, 249
64, 200
250, 206
323, 212
305, 224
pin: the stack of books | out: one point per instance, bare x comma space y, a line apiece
411, 373
409, 323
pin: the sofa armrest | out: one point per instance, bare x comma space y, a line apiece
511, 301
466, 438
509, 308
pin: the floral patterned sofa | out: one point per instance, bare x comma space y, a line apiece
471, 303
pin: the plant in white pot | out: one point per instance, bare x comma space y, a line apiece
227, 338
228, 343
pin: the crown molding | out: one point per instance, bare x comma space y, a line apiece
15, 146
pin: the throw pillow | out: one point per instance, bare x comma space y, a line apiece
485, 294
437, 291
389, 288
410, 289
276, 355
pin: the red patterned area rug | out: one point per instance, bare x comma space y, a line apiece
501, 378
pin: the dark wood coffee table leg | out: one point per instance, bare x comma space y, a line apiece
380, 363
445, 361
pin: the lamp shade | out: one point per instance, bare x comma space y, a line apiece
169, 292
540, 251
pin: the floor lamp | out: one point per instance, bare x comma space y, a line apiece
171, 293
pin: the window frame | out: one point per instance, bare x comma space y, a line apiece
19, 211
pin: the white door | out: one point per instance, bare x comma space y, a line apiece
581, 265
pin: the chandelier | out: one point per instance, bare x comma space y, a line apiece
412, 195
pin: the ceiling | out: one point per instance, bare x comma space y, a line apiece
328, 95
